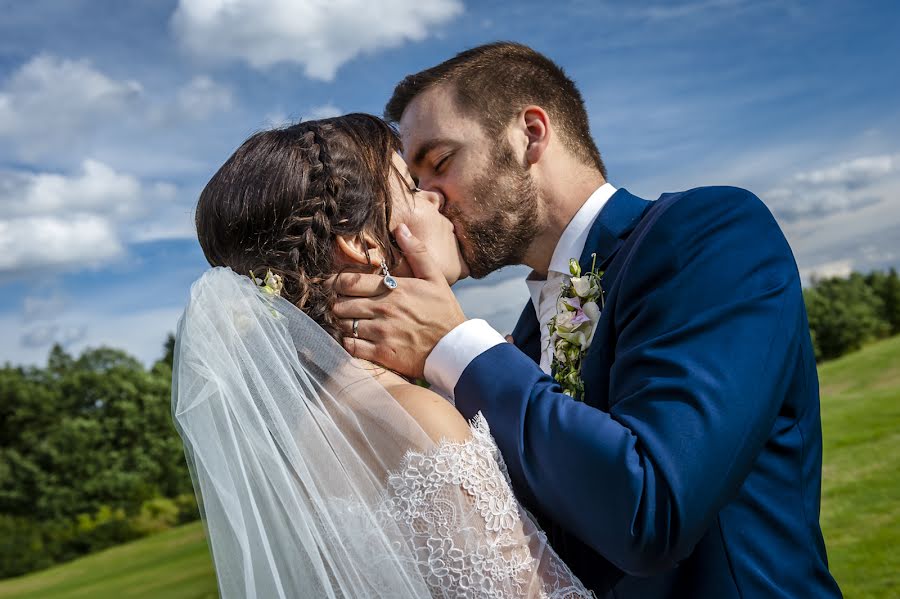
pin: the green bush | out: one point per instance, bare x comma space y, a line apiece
188, 510
844, 314
88, 453
22, 547
156, 515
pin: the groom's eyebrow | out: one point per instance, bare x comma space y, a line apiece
428, 146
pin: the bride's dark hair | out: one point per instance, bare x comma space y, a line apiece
279, 201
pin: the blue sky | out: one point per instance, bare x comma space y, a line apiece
113, 115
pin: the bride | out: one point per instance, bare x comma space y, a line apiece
320, 475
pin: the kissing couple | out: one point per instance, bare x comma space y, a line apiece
650, 429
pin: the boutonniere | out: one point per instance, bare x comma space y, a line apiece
572, 329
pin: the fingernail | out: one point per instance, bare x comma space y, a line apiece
404, 232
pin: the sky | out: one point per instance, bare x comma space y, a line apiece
114, 115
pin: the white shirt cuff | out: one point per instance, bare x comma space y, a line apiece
456, 350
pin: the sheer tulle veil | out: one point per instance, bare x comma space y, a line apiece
292, 447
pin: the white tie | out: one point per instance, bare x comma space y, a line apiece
549, 295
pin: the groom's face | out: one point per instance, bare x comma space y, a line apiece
488, 195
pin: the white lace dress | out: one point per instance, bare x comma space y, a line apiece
494, 550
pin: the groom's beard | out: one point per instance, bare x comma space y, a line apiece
506, 200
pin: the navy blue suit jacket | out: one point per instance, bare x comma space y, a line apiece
693, 467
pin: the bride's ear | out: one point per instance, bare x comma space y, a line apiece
360, 249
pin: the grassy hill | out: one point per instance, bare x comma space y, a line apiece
861, 484
860, 505
174, 564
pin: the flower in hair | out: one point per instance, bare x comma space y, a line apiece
271, 284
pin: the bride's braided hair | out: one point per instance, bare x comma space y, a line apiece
281, 199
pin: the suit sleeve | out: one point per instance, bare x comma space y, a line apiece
706, 313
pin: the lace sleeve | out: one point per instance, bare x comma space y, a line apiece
471, 537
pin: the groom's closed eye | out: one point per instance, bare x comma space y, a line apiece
441, 162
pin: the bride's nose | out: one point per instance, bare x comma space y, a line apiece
436, 198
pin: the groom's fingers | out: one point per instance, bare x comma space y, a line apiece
365, 328
359, 348
355, 307
415, 252
357, 284
366, 350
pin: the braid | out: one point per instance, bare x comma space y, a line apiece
307, 245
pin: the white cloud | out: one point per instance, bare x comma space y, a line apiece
276, 118
68, 222
140, 333
792, 204
852, 173
39, 307
202, 98
48, 100
827, 270
97, 189
280, 118
325, 111
319, 35
53, 242
840, 188
45, 334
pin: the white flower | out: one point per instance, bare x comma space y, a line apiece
564, 322
560, 350
274, 283
592, 311
583, 286
580, 336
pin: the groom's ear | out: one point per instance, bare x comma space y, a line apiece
359, 249
536, 128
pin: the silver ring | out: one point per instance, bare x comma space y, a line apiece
355, 328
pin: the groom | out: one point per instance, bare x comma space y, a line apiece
693, 466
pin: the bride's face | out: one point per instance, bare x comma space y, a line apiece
421, 212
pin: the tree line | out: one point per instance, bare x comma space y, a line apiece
89, 456
846, 313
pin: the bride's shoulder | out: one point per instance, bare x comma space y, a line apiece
437, 416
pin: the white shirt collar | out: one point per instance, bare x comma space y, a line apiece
571, 242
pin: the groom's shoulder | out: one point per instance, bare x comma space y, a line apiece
718, 196
701, 207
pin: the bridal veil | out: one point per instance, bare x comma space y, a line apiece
314, 482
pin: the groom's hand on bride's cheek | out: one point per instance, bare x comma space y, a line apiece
398, 328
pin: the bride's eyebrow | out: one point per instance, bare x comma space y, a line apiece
405, 178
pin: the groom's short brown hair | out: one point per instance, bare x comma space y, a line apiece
495, 81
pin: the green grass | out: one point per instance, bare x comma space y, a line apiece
860, 505
174, 564
860, 480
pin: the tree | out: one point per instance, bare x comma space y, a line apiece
86, 445
843, 315
890, 296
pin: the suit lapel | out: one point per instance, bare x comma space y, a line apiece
616, 220
614, 224
527, 334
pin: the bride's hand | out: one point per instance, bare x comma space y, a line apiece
398, 328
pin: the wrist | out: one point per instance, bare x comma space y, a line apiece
456, 349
